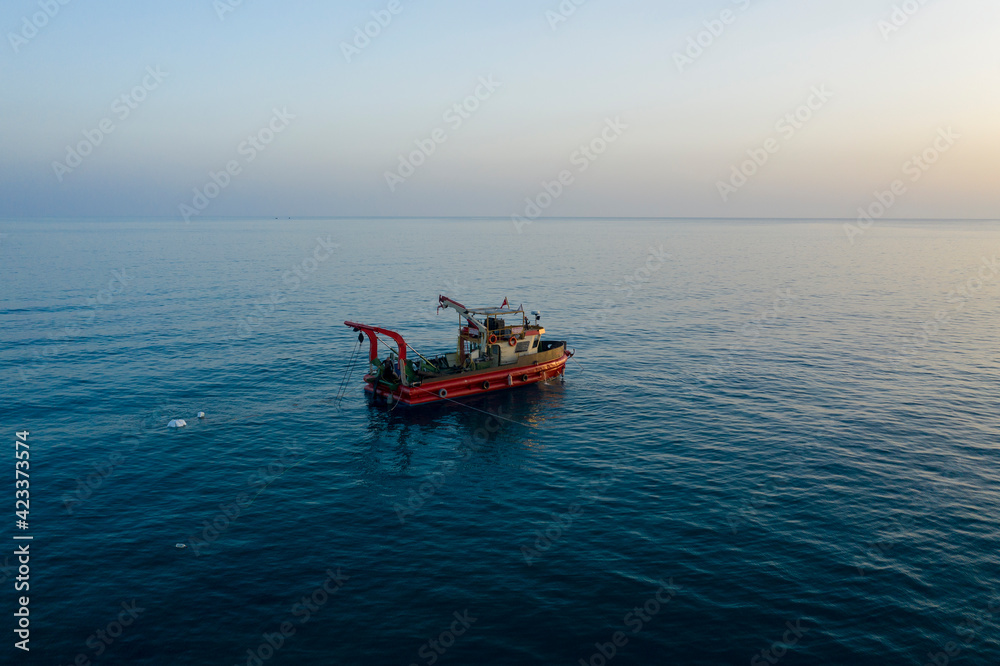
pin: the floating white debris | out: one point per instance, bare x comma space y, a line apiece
177, 423
201, 415
181, 545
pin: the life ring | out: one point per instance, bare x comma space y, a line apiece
524, 378
443, 393
486, 385
512, 341
468, 362
493, 339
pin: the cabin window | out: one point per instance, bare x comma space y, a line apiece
535, 343
522, 347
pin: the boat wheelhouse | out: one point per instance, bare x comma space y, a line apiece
497, 349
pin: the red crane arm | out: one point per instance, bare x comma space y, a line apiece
371, 332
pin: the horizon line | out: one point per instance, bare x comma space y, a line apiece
495, 217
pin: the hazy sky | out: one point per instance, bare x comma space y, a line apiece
183, 85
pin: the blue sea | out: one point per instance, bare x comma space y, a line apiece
777, 443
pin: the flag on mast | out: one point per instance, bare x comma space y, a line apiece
504, 303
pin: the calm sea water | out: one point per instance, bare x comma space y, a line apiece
772, 446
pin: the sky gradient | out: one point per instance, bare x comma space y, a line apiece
328, 123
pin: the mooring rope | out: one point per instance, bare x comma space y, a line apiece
462, 404
342, 391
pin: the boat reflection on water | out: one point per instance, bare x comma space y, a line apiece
488, 429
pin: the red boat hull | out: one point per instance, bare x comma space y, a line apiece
466, 385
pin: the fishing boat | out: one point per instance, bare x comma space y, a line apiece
498, 349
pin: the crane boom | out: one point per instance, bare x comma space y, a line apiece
445, 302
